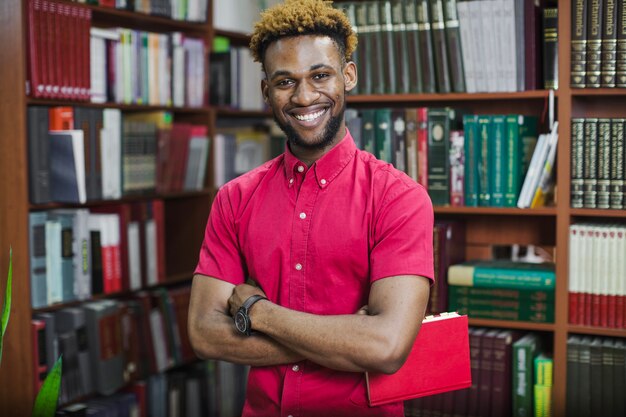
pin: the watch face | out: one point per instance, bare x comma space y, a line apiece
240, 322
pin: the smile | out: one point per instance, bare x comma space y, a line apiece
311, 116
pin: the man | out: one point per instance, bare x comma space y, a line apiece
339, 242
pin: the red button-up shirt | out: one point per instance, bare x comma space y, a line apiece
315, 239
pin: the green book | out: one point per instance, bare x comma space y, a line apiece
383, 131
503, 274
512, 161
470, 129
493, 308
543, 401
524, 352
543, 370
527, 141
482, 158
543, 385
497, 155
504, 294
368, 117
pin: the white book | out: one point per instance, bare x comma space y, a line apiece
620, 264
509, 46
111, 154
546, 180
536, 161
478, 53
575, 258
178, 70
613, 276
498, 43
54, 282
152, 271
159, 341
489, 62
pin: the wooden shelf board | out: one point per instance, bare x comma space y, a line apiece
582, 92
126, 199
416, 98
598, 213
123, 107
506, 324
598, 331
545, 211
140, 20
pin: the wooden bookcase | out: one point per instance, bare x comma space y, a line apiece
186, 212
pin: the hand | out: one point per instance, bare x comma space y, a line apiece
240, 294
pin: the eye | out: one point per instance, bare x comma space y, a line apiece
321, 76
284, 82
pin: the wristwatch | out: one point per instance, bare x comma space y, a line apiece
242, 318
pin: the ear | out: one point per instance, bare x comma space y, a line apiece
265, 90
350, 75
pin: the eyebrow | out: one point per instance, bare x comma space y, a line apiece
280, 73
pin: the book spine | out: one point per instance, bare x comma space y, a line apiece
426, 60
511, 166
497, 156
410, 117
442, 65
349, 8
471, 160
376, 57
609, 44
577, 181
590, 163
369, 131
550, 48
398, 142
413, 51
364, 51
499, 277
438, 156
594, 43
535, 312
403, 55
573, 377
383, 135
604, 163
620, 54
617, 164
422, 146
388, 49
453, 42
579, 43
482, 158
532, 38
486, 372
457, 169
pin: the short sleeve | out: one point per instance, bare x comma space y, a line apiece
220, 256
403, 234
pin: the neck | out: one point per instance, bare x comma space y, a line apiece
308, 156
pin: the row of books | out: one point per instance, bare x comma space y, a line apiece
235, 79
189, 10
107, 343
240, 149
86, 154
597, 163
598, 46
421, 46
503, 290
201, 389
461, 159
78, 253
137, 67
597, 271
511, 376
596, 376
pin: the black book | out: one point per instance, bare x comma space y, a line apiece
38, 162
413, 55
579, 43
590, 163
364, 49
609, 44
400, 45
426, 57
577, 163
389, 52
375, 58
440, 51
594, 43
620, 54
550, 48
617, 163
453, 43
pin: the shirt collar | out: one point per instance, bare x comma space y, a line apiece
329, 165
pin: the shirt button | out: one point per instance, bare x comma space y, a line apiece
289, 415
298, 267
295, 368
323, 181
290, 180
303, 216
300, 168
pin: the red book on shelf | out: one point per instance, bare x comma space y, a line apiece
422, 146
439, 362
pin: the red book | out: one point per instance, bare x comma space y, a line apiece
34, 49
121, 283
61, 118
439, 362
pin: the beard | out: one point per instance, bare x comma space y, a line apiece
322, 141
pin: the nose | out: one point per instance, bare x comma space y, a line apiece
305, 94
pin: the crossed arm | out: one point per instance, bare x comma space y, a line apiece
378, 339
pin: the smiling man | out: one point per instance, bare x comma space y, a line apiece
316, 266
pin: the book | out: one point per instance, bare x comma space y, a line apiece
546, 181
503, 274
440, 48
67, 166
524, 351
579, 44
608, 49
550, 48
594, 43
448, 249
454, 45
620, 64
426, 49
577, 162
422, 374
38, 155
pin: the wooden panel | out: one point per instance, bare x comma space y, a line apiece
599, 106
185, 220
17, 393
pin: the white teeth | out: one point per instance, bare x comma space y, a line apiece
309, 117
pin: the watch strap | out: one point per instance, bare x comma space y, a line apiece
251, 300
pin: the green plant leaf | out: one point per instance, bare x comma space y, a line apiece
48, 396
6, 308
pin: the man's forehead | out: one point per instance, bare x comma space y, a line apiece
302, 48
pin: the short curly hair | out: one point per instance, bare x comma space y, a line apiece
302, 17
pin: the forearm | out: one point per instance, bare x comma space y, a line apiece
354, 343
215, 337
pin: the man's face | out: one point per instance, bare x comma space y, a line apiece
305, 87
